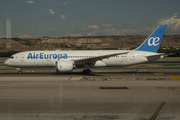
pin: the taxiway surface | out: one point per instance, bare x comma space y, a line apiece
71, 97
101, 74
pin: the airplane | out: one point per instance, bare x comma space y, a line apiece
67, 60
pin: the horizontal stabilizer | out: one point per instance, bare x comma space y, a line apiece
154, 57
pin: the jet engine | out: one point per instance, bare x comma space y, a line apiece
64, 66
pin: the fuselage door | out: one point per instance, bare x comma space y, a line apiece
132, 57
16, 59
22, 58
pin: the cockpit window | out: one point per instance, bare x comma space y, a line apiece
12, 57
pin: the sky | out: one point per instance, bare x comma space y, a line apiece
57, 18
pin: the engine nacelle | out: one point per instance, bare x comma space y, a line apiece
64, 66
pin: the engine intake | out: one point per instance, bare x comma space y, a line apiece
64, 66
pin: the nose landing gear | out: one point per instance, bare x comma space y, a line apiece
19, 70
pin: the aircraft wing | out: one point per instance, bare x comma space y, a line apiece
96, 58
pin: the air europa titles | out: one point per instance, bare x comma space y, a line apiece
46, 56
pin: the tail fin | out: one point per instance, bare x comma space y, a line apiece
151, 44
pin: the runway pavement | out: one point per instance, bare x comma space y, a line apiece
76, 97
108, 93
96, 74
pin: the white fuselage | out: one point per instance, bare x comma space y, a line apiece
65, 61
49, 58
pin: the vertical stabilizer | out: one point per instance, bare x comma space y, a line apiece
151, 44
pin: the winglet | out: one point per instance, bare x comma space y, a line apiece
151, 44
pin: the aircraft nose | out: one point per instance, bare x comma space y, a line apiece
6, 62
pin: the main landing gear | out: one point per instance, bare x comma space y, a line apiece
87, 71
19, 70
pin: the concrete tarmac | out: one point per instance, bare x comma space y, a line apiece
96, 74
71, 97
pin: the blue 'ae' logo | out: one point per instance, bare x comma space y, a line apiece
153, 41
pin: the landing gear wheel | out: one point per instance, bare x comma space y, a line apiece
87, 72
84, 71
19, 70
